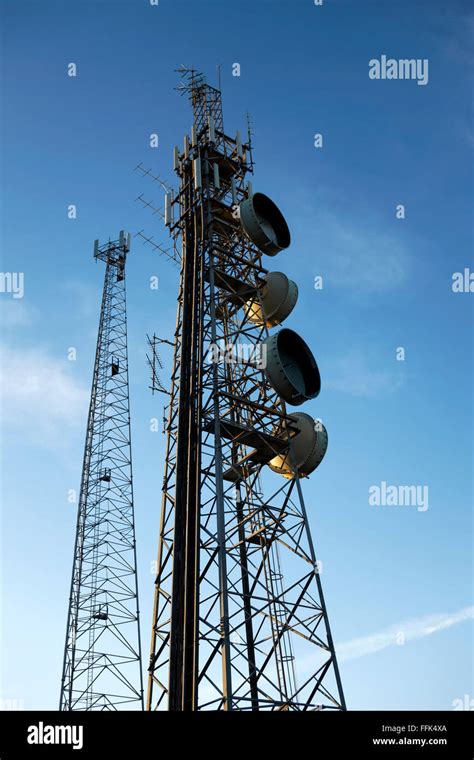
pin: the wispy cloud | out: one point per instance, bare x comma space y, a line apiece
86, 298
363, 259
39, 394
350, 246
17, 313
409, 630
351, 255
360, 375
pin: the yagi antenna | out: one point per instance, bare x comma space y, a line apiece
149, 205
171, 255
154, 177
155, 363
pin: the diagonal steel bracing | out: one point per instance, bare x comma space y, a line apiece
102, 658
239, 619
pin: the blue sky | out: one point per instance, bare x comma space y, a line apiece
387, 284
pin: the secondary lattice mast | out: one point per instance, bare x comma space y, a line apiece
102, 656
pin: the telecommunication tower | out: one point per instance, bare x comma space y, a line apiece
239, 619
102, 656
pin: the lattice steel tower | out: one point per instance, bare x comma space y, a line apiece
102, 657
239, 619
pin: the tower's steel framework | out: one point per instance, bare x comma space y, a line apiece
239, 620
102, 656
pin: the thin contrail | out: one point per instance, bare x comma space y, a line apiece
400, 633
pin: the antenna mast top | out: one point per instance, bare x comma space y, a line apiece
206, 100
